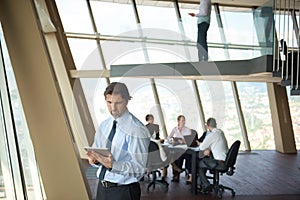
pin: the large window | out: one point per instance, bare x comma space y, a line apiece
155, 20
114, 18
161, 38
221, 106
19, 175
256, 109
294, 102
75, 16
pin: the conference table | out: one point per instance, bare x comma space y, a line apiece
174, 151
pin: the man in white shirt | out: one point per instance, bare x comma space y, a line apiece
215, 147
203, 25
128, 140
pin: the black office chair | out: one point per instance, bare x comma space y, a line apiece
154, 163
227, 167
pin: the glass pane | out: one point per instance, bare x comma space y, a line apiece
177, 98
238, 54
294, 102
85, 54
6, 176
155, 20
284, 28
264, 22
190, 23
256, 109
118, 52
114, 18
93, 89
142, 101
221, 106
217, 54
238, 26
74, 16
164, 56
28, 161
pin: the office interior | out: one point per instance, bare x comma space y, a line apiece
57, 57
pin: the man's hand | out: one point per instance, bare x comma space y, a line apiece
106, 161
92, 159
206, 152
181, 141
192, 14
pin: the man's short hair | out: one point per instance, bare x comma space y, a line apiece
179, 117
149, 116
117, 88
211, 122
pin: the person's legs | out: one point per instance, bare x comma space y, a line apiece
177, 168
204, 164
188, 166
202, 41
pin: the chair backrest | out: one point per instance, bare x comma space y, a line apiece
232, 154
154, 160
191, 140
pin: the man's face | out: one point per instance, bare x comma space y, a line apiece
181, 122
116, 104
151, 120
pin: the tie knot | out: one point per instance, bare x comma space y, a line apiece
115, 123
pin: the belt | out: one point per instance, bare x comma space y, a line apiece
107, 184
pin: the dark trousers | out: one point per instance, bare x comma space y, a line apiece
203, 165
188, 162
202, 41
178, 163
125, 192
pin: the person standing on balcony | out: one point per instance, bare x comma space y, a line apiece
203, 25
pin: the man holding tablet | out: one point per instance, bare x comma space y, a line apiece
127, 139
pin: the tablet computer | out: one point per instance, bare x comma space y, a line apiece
102, 151
178, 140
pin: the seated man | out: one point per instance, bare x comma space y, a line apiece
215, 147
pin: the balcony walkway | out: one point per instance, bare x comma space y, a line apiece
257, 69
259, 175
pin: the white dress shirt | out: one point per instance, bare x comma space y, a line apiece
129, 148
179, 133
216, 142
204, 11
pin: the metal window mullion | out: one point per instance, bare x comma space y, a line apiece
287, 40
199, 104
279, 32
181, 29
241, 116
99, 48
152, 81
221, 30
8, 117
298, 56
275, 43
283, 37
295, 23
